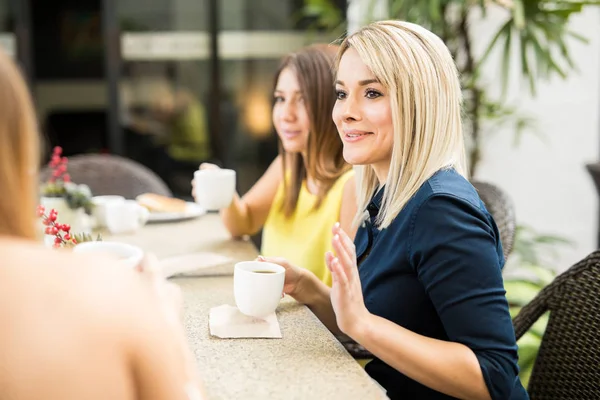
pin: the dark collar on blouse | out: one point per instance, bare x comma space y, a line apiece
375, 203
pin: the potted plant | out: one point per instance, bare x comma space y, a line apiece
72, 201
59, 234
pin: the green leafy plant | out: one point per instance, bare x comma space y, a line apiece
538, 29
60, 185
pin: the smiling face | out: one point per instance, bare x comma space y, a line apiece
290, 114
363, 115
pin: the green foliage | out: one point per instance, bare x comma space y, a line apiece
86, 237
77, 196
534, 35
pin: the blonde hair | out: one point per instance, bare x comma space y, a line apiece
19, 154
422, 80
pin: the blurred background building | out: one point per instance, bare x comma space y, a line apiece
113, 76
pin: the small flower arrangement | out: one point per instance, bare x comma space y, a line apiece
60, 186
62, 232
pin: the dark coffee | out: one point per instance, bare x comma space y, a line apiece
263, 272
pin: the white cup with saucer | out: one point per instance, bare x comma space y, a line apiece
257, 287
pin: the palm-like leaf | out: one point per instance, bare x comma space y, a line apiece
539, 29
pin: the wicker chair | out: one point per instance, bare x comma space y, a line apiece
110, 174
568, 362
501, 207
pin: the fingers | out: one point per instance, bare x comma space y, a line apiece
275, 260
345, 257
208, 166
328, 257
338, 273
149, 267
346, 241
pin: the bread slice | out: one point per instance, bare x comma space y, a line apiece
161, 204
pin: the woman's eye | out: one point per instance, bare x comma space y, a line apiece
372, 94
340, 95
278, 99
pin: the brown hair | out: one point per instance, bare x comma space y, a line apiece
19, 154
325, 161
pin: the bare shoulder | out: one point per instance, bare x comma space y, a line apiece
276, 168
90, 288
62, 307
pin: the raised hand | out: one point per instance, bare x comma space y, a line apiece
346, 292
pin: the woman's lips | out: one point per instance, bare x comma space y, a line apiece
355, 136
291, 134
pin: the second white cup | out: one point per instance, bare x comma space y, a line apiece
125, 217
100, 203
214, 188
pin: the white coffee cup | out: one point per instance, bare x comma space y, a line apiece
214, 188
125, 217
257, 294
125, 254
100, 203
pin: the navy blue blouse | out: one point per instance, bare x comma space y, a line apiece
436, 270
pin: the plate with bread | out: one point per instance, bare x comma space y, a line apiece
168, 209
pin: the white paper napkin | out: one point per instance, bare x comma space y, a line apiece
192, 264
228, 322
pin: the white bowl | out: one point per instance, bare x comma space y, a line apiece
125, 254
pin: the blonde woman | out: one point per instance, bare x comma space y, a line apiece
75, 327
427, 297
309, 186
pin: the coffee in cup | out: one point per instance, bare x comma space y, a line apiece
257, 287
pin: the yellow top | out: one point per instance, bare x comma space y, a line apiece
305, 236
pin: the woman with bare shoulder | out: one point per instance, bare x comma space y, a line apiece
75, 327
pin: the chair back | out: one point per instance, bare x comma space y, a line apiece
499, 204
568, 361
112, 175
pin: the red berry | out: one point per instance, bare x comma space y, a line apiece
57, 240
57, 150
48, 231
52, 217
67, 237
56, 245
74, 241
46, 222
66, 178
54, 230
64, 160
65, 227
